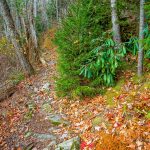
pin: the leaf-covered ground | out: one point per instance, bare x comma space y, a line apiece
35, 118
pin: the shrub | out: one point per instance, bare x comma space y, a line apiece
133, 45
103, 60
146, 41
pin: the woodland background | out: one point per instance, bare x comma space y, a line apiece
87, 60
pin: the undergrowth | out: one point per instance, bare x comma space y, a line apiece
16, 76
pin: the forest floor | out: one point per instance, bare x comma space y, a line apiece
34, 118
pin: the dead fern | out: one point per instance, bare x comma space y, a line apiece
111, 142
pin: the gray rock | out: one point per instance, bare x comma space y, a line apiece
44, 136
69, 144
46, 87
34, 148
57, 119
50, 146
53, 128
36, 89
50, 99
45, 149
65, 135
51, 62
53, 143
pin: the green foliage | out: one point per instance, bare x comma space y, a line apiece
103, 60
146, 41
65, 84
138, 80
19, 5
75, 146
38, 25
51, 9
83, 91
132, 45
128, 13
85, 21
147, 8
148, 115
146, 31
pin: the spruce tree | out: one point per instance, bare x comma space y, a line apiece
86, 20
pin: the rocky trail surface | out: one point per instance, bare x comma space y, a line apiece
30, 118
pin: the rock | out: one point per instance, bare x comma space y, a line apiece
51, 62
56, 119
50, 99
35, 90
65, 135
37, 98
34, 148
46, 87
53, 128
44, 136
50, 146
53, 143
67, 145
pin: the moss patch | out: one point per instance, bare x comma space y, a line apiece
138, 80
47, 108
97, 121
114, 92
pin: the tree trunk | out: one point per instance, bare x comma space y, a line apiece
28, 69
57, 10
23, 26
31, 24
44, 14
141, 37
14, 13
32, 32
35, 8
6, 32
115, 24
